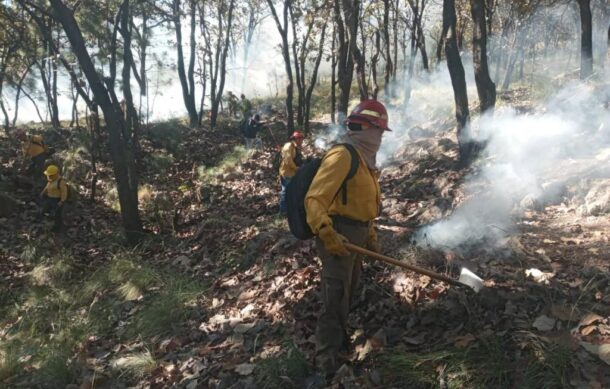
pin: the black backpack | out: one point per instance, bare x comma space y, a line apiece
243, 126
71, 191
249, 128
299, 185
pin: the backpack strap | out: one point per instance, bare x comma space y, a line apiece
67, 186
355, 162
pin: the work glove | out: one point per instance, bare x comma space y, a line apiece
333, 241
372, 243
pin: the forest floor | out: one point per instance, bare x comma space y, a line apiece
220, 295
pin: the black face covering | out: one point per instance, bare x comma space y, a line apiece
354, 126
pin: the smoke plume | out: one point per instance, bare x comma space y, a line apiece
529, 158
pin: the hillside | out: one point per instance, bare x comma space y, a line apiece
220, 295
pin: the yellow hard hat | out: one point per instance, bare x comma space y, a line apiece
51, 170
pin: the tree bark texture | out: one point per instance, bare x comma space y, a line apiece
299, 54
374, 60
283, 30
486, 89
389, 65
586, 39
345, 62
130, 114
351, 14
5, 54
333, 77
314, 78
124, 175
186, 79
458, 81
222, 51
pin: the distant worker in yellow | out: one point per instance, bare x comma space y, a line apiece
233, 103
34, 151
54, 196
245, 106
292, 159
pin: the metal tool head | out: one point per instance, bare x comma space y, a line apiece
470, 279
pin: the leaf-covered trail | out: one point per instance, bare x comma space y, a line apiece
237, 294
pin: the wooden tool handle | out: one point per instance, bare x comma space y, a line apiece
383, 258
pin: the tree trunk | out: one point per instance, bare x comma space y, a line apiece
54, 105
486, 89
345, 63
203, 28
396, 32
300, 55
224, 49
47, 36
93, 124
418, 11
188, 93
521, 65
439, 49
131, 116
314, 78
283, 30
374, 60
415, 9
6, 53
512, 60
19, 87
500, 53
388, 50
74, 116
458, 81
124, 170
586, 39
143, 47
29, 97
351, 10
333, 77
421, 43
7, 121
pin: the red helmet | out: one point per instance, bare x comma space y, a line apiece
370, 112
297, 135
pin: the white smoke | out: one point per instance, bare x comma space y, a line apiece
334, 134
430, 98
527, 156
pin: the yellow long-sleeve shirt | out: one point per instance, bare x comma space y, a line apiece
33, 146
288, 167
363, 192
56, 189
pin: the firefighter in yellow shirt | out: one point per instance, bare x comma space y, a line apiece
339, 217
34, 151
54, 196
292, 158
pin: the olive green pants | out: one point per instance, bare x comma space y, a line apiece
340, 277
